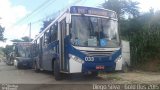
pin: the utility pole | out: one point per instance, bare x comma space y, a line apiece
30, 31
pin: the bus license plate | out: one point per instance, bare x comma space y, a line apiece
99, 67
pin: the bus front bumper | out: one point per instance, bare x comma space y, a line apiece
92, 67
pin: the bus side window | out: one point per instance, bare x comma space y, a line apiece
35, 48
42, 41
54, 32
63, 24
47, 37
16, 51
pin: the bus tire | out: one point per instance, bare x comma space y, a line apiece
57, 74
94, 74
125, 68
36, 67
18, 67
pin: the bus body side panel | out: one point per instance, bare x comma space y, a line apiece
49, 53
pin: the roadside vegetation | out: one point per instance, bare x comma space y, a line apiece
142, 30
1, 52
2, 39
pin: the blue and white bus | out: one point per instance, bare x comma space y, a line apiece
22, 52
81, 40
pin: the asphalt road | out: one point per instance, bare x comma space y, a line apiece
30, 80
10, 74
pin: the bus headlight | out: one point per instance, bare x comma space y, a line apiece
75, 58
118, 59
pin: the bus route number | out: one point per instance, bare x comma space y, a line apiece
90, 59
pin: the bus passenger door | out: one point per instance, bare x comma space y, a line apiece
62, 26
40, 52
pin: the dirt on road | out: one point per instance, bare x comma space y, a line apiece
11, 75
133, 77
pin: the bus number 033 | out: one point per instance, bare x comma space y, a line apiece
89, 59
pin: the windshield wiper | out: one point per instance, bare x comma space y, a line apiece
88, 22
102, 28
90, 25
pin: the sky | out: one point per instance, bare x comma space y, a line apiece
13, 14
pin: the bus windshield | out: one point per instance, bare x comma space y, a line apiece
89, 31
23, 51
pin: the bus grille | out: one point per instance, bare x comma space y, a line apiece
97, 53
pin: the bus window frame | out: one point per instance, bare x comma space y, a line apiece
46, 38
54, 31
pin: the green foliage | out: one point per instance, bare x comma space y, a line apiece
8, 49
1, 33
122, 7
23, 39
45, 24
144, 34
143, 31
1, 52
26, 39
16, 40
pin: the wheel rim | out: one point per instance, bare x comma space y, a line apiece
35, 67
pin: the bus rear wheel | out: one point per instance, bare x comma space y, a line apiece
57, 74
36, 68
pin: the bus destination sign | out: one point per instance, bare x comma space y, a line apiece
92, 11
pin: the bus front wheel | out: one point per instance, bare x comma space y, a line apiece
57, 73
94, 74
125, 68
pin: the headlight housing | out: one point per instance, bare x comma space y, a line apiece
118, 59
75, 58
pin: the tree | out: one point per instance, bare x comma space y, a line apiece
122, 7
16, 40
8, 49
142, 30
1, 33
1, 52
23, 39
45, 24
26, 39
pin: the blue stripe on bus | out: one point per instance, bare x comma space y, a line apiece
81, 55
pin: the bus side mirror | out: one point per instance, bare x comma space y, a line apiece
68, 18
